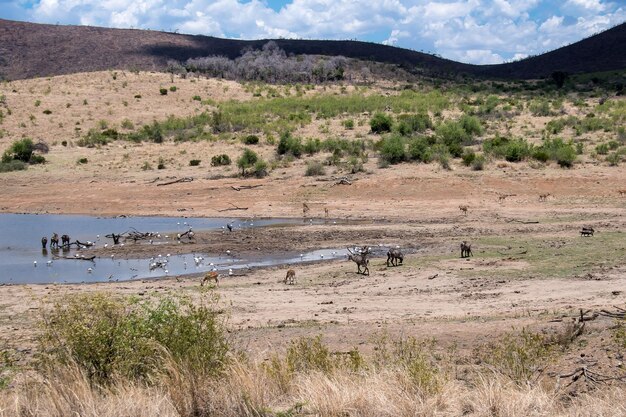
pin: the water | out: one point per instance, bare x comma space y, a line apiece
22, 259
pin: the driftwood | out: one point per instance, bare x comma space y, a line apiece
522, 221
245, 187
183, 179
591, 376
234, 207
342, 181
77, 258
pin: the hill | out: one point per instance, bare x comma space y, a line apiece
33, 50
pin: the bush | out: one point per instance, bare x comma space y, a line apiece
602, 149
348, 124
110, 337
173, 88
196, 98
419, 150
614, 159
451, 132
471, 125
64, 143
82, 161
20, 150
411, 123
392, 149
517, 151
13, 165
163, 91
260, 169
251, 140
219, 160
289, 144
541, 155
194, 162
312, 146
47, 112
314, 168
381, 123
468, 157
565, 156
563, 153
479, 163
247, 159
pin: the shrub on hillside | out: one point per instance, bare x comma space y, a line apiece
219, 160
289, 144
392, 149
314, 168
413, 123
251, 140
247, 159
381, 123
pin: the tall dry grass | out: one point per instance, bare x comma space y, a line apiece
251, 389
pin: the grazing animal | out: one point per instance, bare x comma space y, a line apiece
54, 241
290, 278
44, 242
305, 209
622, 192
326, 211
191, 235
587, 231
65, 240
361, 260
503, 197
544, 197
394, 255
211, 276
466, 250
464, 209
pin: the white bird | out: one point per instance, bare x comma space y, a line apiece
334, 222
166, 272
301, 255
89, 270
228, 252
121, 244
49, 263
178, 223
168, 255
151, 241
35, 263
211, 264
159, 255
322, 256
112, 256
230, 271
106, 245
98, 236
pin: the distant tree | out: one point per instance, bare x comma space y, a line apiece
247, 160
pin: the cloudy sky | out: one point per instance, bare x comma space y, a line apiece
474, 31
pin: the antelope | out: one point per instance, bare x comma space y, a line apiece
54, 241
305, 209
622, 192
290, 278
361, 260
466, 250
503, 197
65, 240
464, 209
393, 256
326, 211
44, 242
544, 197
211, 276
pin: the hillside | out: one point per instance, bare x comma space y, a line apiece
33, 50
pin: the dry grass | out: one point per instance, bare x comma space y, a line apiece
248, 390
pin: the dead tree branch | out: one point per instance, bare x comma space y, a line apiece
183, 179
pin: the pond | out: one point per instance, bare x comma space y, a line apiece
23, 261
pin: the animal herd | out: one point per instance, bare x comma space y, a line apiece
54, 241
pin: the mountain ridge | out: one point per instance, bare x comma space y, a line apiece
30, 50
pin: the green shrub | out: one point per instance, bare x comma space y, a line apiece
541, 154
309, 354
412, 123
196, 98
468, 157
392, 149
173, 89
441, 154
419, 150
517, 150
82, 161
64, 143
20, 150
614, 159
565, 156
161, 163
110, 337
137, 95
479, 163
312, 146
289, 144
219, 160
146, 166
127, 124
260, 169
348, 124
47, 112
314, 168
451, 132
251, 140
602, 149
557, 150
13, 165
471, 125
540, 108
247, 159
163, 91
381, 123
194, 162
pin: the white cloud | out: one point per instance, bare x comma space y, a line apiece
475, 31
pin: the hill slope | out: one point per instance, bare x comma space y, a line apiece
33, 50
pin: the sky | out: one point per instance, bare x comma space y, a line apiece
472, 31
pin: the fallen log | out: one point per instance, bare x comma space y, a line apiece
184, 179
245, 187
234, 207
77, 257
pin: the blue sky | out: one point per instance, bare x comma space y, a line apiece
474, 31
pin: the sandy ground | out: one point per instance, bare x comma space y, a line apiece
434, 294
